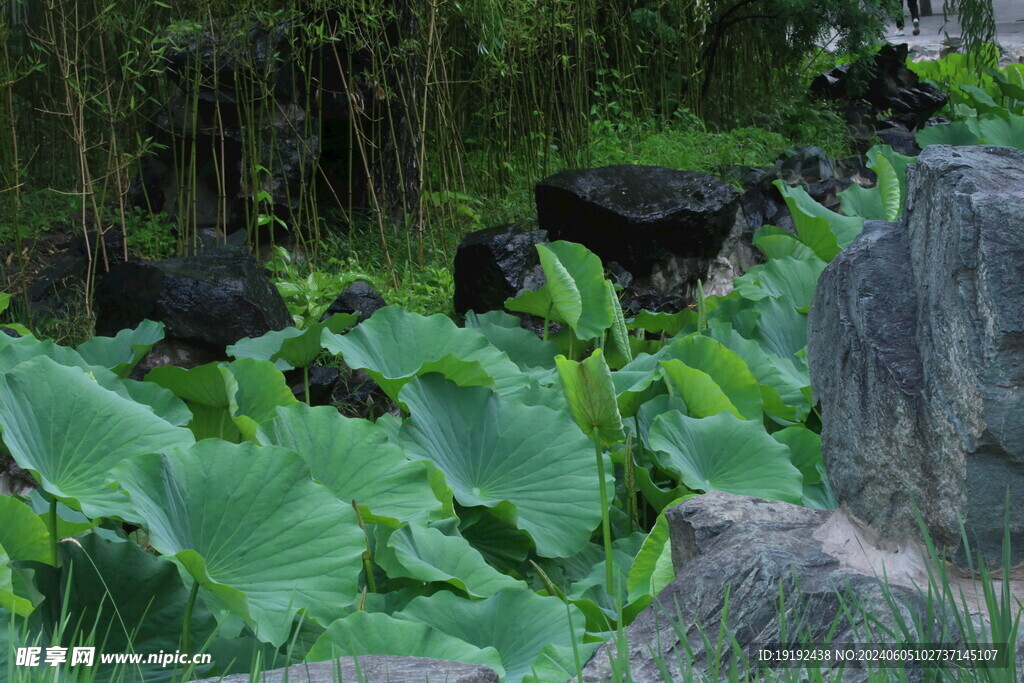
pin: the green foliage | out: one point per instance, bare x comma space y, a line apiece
975, 89
424, 533
987, 129
575, 292
978, 21
884, 201
251, 527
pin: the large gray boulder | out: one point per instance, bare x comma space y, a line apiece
821, 562
916, 353
372, 669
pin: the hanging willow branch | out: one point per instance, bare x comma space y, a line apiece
978, 25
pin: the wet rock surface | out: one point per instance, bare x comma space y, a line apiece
212, 299
492, 265
359, 297
638, 215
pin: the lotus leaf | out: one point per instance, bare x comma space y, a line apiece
724, 453
250, 525
528, 463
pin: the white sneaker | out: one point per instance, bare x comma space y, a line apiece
900, 32
917, 27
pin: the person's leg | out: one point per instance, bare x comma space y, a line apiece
915, 15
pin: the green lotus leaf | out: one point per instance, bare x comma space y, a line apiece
14, 351
591, 395
354, 459
9, 599
250, 525
566, 301
783, 386
775, 243
268, 346
500, 542
899, 164
785, 277
865, 202
781, 330
23, 537
575, 292
590, 595
726, 368
291, 348
516, 622
70, 522
60, 424
703, 397
526, 462
560, 663
637, 381
523, 347
884, 201
658, 498
208, 384
805, 449
23, 534
394, 346
619, 351
227, 400
652, 569
824, 231
362, 633
426, 554
260, 390
958, 134
668, 324
982, 102
123, 351
725, 453
995, 130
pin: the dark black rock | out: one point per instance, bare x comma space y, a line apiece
355, 394
177, 352
225, 51
64, 271
765, 207
750, 176
322, 383
900, 139
215, 298
805, 165
359, 297
637, 215
892, 88
827, 192
491, 264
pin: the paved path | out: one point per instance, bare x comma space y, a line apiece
1009, 31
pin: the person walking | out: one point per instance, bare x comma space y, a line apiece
915, 15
